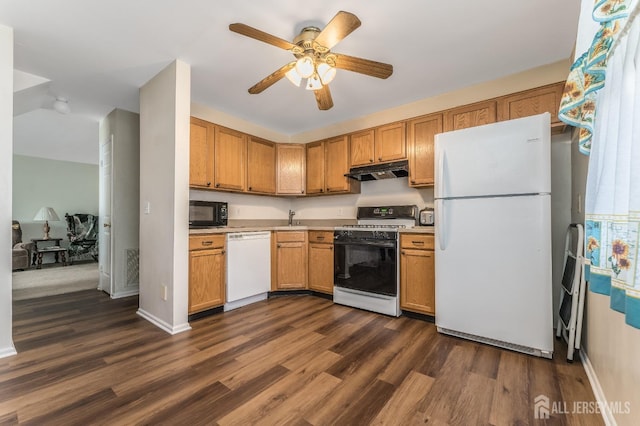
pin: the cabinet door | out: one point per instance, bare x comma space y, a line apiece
206, 279
417, 281
532, 102
291, 169
337, 165
315, 167
291, 265
261, 166
422, 133
321, 267
201, 139
230, 159
362, 148
390, 142
470, 116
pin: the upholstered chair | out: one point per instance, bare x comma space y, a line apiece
21, 252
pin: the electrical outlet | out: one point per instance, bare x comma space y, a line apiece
237, 211
147, 208
163, 292
340, 212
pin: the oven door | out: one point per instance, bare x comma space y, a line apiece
367, 265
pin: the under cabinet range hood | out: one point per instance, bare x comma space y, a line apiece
380, 171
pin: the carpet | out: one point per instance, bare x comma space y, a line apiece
54, 279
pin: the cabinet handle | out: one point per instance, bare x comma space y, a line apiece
223, 252
371, 160
321, 190
217, 185
320, 237
279, 245
207, 243
249, 188
330, 247
302, 192
208, 183
402, 252
413, 181
379, 158
418, 243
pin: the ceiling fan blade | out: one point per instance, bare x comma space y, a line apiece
363, 66
323, 98
272, 78
248, 31
343, 24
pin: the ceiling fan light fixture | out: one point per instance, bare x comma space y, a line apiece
326, 72
61, 105
314, 83
294, 77
305, 66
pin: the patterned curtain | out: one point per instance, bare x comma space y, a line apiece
608, 116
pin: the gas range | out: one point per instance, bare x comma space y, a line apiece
366, 258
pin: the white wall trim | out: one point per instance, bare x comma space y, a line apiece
10, 351
607, 416
163, 324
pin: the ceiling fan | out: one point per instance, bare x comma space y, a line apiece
315, 62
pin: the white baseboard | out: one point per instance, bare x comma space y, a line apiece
10, 351
162, 324
607, 416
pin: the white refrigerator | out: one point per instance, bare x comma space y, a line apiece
493, 234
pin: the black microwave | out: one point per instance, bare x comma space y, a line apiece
203, 214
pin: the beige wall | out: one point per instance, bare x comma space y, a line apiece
74, 190
164, 183
6, 151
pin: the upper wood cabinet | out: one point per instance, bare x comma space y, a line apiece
327, 164
290, 166
261, 166
363, 148
315, 167
421, 135
532, 102
337, 165
391, 142
230, 159
470, 115
201, 153
379, 145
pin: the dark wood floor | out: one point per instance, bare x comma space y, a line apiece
86, 359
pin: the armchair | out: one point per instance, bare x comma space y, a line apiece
20, 252
82, 230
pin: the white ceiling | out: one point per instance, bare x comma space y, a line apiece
98, 54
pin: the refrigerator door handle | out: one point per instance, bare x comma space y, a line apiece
440, 175
440, 223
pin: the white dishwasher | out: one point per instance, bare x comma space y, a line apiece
248, 268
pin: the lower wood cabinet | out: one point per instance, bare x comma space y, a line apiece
289, 260
321, 261
206, 272
417, 273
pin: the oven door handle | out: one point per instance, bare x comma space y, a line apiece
391, 244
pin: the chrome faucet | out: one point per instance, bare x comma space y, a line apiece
291, 214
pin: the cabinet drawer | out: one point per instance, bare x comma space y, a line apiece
200, 242
416, 241
289, 236
321, 237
